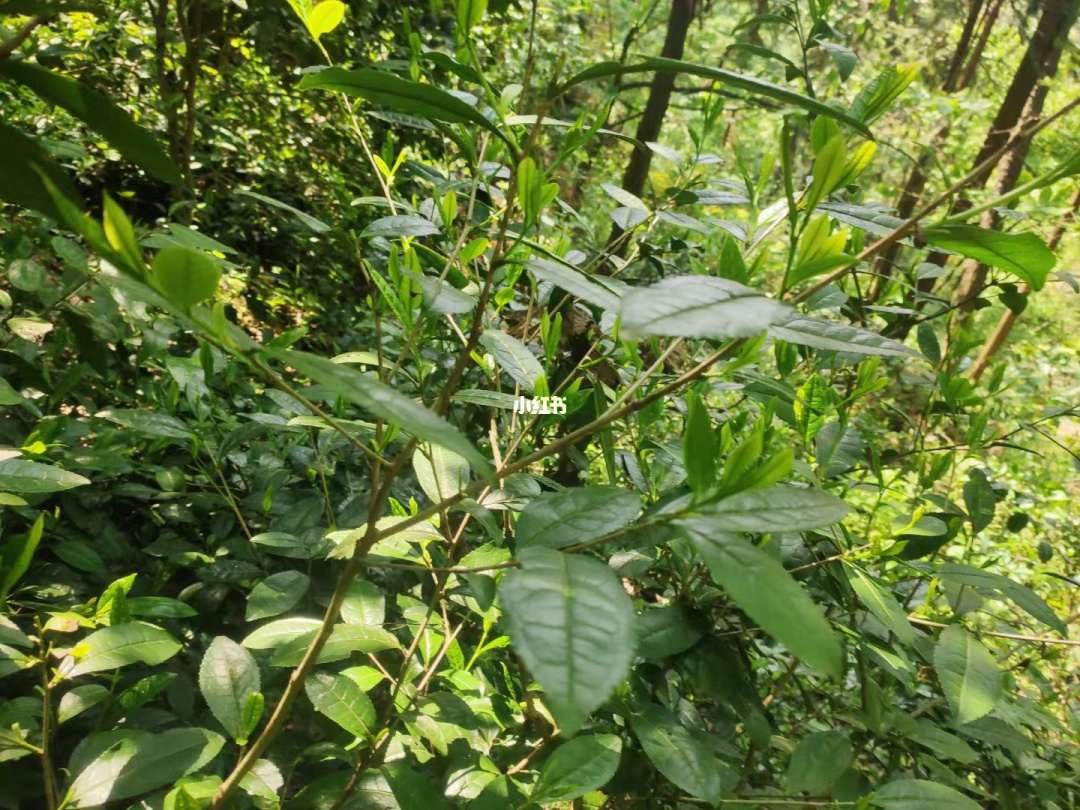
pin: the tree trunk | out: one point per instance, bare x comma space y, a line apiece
1008, 318
1045, 52
916, 180
1042, 53
637, 170
956, 64
964, 79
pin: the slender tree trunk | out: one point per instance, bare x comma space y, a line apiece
1044, 52
965, 77
916, 179
637, 170
1008, 318
1038, 57
956, 64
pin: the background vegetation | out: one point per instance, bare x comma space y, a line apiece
275, 273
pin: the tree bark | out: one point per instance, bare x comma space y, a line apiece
637, 170
916, 179
1008, 318
1038, 57
964, 79
1044, 53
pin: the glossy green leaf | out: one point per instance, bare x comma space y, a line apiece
281, 631
576, 767
324, 17
574, 282
123, 644
819, 333
227, 675
920, 794
738, 81
99, 113
20, 475
16, 555
440, 472
401, 225
399, 95
1024, 597
882, 604
968, 673
276, 594
668, 631
767, 593
79, 699
22, 170
818, 761
572, 623
185, 276
1022, 254
149, 422
561, 519
342, 701
384, 402
344, 640
780, 508
679, 755
698, 306
513, 357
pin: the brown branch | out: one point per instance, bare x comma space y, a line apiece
1013, 636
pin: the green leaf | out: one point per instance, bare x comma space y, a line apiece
818, 761
344, 640
401, 225
311, 222
577, 767
274, 634
698, 306
882, 604
1024, 597
699, 446
624, 197
24, 166
572, 623
400, 95
20, 475
440, 472
79, 699
686, 761
667, 631
767, 593
99, 113
819, 333
878, 94
161, 759
263, 781
514, 357
276, 594
980, 500
123, 644
365, 604
780, 508
1022, 254
342, 701
227, 675
828, 169
968, 673
185, 276
579, 515
919, 794
16, 555
574, 282
844, 58
470, 13
383, 401
731, 79
149, 422
325, 16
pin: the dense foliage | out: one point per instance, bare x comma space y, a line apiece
538, 404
